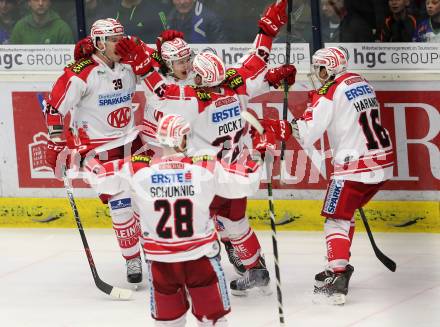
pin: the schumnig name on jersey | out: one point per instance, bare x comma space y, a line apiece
171, 191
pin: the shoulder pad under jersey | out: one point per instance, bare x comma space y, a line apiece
233, 79
196, 159
141, 158
78, 66
203, 95
326, 87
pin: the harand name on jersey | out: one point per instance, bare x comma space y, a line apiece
226, 114
366, 104
113, 98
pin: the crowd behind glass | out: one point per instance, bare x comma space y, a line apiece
222, 21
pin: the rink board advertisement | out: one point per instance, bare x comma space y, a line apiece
56, 57
392, 56
411, 116
417, 152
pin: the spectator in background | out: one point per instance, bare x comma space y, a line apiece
199, 23
373, 11
301, 23
428, 29
417, 8
140, 17
41, 26
240, 23
400, 26
94, 10
340, 24
9, 15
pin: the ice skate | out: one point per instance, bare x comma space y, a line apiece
234, 259
255, 277
134, 270
331, 287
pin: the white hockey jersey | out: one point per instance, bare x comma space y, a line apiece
347, 108
171, 197
98, 98
214, 113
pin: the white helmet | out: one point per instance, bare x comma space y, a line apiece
333, 59
171, 130
173, 50
210, 68
103, 28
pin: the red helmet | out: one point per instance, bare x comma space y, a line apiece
103, 28
171, 130
210, 68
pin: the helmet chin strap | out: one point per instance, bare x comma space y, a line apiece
101, 51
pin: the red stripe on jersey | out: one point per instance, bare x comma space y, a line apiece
263, 40
58, 93
153, 246
368, 162
149, 129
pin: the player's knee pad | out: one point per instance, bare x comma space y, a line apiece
336, 226
125, 224
208, 302
179, 322
234, 229
168, 306
220, 228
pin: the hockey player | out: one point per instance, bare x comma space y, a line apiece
171, 196
213, 108
97, 92
347, 108
177, 56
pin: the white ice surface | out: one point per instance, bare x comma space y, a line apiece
45, 281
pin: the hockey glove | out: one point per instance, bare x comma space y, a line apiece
274, 17
263, 142
275, 76
167, 35
53, 149
132, 52
280, 129
84, 48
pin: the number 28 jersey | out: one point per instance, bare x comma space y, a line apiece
171, 197
347, 108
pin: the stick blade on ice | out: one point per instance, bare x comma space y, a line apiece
121, 293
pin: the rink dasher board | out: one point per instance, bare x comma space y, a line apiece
293, 215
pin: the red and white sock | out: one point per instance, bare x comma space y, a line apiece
128, 234
338, 243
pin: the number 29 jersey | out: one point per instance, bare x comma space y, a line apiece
171, 197
347, 108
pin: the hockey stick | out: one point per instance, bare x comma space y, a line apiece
256, 124
286, 87
390, 264
116, 292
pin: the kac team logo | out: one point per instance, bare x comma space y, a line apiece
119, 118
